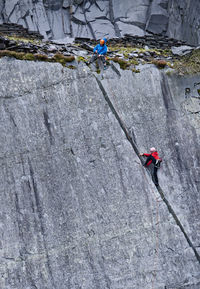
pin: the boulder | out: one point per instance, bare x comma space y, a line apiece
182, 50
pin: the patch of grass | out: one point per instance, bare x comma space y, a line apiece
189, 64
81, 59
123, 63
17, 55
62, 59
71, 67
29, 56
135, 70
160, 63
22, 39
134, 61
41, 57
198, 90
58, 57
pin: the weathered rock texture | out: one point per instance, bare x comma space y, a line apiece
77, 208
18, 31
97, 18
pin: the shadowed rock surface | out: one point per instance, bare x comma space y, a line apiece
111, 18
77, 208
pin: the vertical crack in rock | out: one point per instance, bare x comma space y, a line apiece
112, 19
48, 126
2, 11
11, 13
178, 223
89, 24
170, 209
121, 123
40, 216
115, 69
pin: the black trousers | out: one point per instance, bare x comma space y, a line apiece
100, 58
155, 169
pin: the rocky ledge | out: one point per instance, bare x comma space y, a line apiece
129, 51
97, 18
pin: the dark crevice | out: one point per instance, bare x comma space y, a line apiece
135, 23
193, 112
178, 223
91, 30
3, 9
48, 126
112, 19
121, 123
134, 146
196, 84
115, 69
77, 21
89, 25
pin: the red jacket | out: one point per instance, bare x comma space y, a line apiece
155, 155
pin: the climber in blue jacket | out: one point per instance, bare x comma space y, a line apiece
99, 52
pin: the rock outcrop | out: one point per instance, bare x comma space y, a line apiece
77, 208
98, 18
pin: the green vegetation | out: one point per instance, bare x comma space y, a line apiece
198, 90
81, 59
134, 61
71, 67
22, 39
123, 63
39, 57
17, 55
29, 56
135, 70
62, 59
189, 64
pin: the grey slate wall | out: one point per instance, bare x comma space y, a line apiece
77, 209
111, 18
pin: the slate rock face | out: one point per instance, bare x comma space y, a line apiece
77, 208
99, 18
158, 17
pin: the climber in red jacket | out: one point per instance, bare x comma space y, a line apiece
153, 158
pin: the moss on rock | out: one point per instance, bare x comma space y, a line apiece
123, 63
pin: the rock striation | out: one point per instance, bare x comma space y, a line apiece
98, 18
77, 209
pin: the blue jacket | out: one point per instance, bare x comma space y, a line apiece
101, 50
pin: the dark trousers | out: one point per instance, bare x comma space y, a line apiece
100, 58
155, 169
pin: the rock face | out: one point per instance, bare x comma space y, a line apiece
98, 18
77, 208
